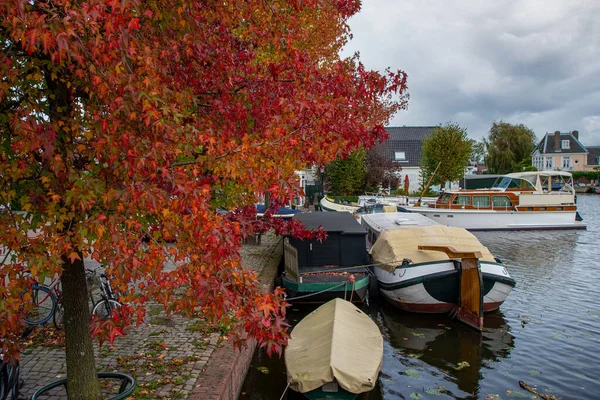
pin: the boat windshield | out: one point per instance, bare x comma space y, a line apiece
512, 183
444, 197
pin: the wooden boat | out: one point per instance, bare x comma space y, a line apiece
331, 205
335, 352
581, 188
317, 271
422, 266
518, 201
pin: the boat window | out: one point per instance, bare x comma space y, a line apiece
501, 201
444, 198
462, 200
513, 183
525, 184
502, 182
481, 201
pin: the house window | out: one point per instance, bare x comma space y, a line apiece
548, 163
566, 162
481, 201
399, 156
565, 144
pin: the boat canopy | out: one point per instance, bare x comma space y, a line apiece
534, 180
337, 342
393, 246
530, 174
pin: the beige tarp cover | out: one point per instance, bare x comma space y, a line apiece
393, 246
336, 341
390, 209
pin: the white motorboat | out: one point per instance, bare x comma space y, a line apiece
518, 201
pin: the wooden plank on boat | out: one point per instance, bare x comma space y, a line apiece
291, 260
470, 307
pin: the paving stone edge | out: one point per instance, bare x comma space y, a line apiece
224, 375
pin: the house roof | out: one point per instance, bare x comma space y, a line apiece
408, 139
593, 155
546, 145
331, 222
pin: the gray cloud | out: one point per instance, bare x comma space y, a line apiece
475, 62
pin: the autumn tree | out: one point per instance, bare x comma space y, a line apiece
346, 176
449, 147
120, 119
381, 169
508, 145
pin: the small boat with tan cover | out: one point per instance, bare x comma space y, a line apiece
335, 352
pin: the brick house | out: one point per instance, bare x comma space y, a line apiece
404, 146
560, 151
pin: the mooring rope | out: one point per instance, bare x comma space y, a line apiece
285, 390
315, 293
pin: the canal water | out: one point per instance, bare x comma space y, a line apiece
546, 334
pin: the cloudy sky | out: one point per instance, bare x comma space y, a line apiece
475, 62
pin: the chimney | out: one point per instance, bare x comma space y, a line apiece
576, 134
557, 141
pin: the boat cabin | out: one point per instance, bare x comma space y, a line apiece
523, 191
379, 222
318, 271
344, 246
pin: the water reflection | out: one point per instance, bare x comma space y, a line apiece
438, 346
518, 247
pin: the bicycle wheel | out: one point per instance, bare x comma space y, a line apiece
44, 304
59, 314
3, 381
9, 381
16, 382
104, 307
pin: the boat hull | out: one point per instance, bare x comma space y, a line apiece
322, 288
487, 220
330, 206
434, 287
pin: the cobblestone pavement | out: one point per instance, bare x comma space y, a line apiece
166, 355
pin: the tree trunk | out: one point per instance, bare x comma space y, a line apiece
82, 381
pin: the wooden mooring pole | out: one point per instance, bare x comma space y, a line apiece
470, 300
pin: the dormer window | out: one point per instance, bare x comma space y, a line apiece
399, 156
565, 144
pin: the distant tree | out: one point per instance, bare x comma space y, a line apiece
345, 176
478, 152
524, 165
380, 169
448, 146
508, 145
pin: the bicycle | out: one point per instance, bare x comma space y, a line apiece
48, 301
45, 299
9, 381
108, 299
